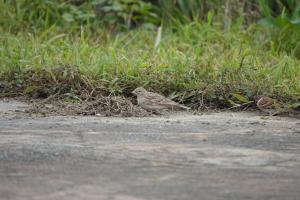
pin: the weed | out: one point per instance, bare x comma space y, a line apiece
198, 61
202, 58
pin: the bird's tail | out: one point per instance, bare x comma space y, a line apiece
184, 107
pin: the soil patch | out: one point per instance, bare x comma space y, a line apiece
104, 106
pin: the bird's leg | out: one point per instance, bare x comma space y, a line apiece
159, 113
151, 112
156, 112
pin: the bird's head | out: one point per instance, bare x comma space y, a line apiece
139, 91
258, 97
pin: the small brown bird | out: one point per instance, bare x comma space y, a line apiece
269, 105
153, 102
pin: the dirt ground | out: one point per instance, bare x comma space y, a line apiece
225, 155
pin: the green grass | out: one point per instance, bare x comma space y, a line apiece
194, 61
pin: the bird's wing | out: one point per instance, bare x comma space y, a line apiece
159, 99
265, 102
